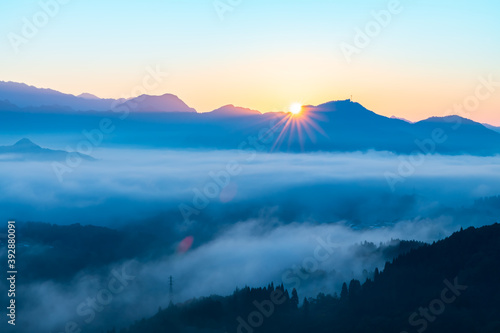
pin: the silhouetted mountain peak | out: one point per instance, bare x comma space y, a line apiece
450, 119
25, 149
26, 143
166, 96
162, 103
231, 110
343, 107
87, 96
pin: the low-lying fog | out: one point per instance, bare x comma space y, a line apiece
129, 185
296, 219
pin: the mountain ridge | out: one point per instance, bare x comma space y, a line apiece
150, 103
26, 96
234, 111
129, 103
337, 126
25, 149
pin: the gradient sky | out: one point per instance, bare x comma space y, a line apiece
265, 54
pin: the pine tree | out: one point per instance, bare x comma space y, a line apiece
295, 299
305, 307
344, 294
354, 289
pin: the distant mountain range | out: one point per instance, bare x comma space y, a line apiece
146, 103
167, 122
394, 117
23, 95
232, 111
88, 96
25, 149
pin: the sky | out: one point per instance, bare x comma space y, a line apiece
427, 56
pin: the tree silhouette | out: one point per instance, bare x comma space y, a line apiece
294, 299
344, 294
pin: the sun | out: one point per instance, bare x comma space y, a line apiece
298, 122
295, 108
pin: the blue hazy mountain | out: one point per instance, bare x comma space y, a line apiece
168, 122
463, 135
41, 100
88, 96
25, 149
148, 103
349, 126
233, 111
23, 95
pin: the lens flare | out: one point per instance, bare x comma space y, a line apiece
185, 244
295, 108
299, 122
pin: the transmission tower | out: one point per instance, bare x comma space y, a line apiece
171, 289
